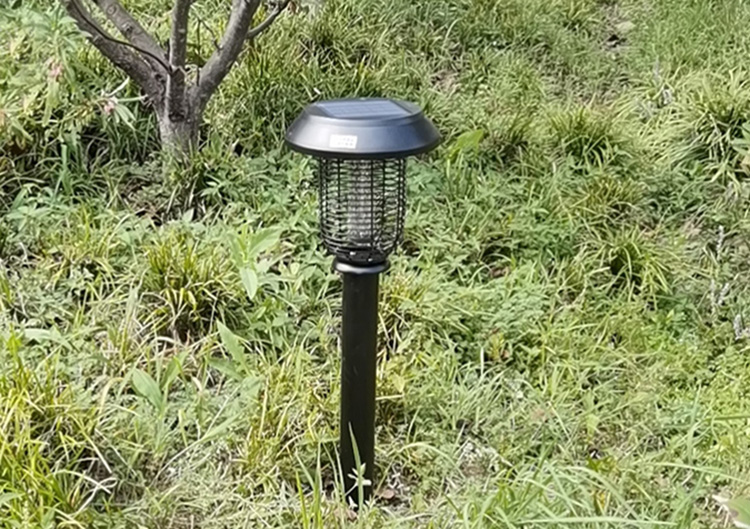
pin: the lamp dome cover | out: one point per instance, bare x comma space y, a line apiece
362, 129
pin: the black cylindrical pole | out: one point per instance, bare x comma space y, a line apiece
358, 366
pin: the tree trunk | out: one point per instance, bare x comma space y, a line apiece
179, 136
162, 75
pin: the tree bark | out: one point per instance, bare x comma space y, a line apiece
176, 98
179, 136
178, 123
132, 30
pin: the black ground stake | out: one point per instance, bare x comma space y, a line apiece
358, 364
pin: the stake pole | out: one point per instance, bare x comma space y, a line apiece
358, 369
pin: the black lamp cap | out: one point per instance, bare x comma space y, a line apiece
362, 129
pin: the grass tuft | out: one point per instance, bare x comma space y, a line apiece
716, 119
587, 136
189, 282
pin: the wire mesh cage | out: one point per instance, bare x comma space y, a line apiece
361, 146
362, 207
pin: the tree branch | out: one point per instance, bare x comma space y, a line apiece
117, 52
77, 10
176, 95
132, 30
202, 23
221, 61
260, 28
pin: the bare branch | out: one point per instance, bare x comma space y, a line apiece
260, 28
131, 29
176, 95
221, 61
76, 10
118, 52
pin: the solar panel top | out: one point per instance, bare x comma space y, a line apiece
363, 109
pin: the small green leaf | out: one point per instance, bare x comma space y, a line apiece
174, 368
48, 520
232, 344
235, 249
399, 383
468, 141
145, 386
44, 335
218, 430
7, 497
249, 281
738, 509
263, 240
225, 367
251, 386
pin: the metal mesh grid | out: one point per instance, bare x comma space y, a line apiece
362, 207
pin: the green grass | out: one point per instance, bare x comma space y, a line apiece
563, 334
